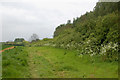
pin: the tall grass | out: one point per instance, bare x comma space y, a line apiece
49, 62
57, 63
14, 63
5, 46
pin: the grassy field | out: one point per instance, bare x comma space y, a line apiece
14, 62
48, 62
5, 46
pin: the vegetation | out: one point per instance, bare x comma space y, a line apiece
34, 38
19, 40
85, 48
14, 62
5, 46
49, 62
93, 33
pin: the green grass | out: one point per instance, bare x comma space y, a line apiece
5, 46
48, 62
0, 66
14, 63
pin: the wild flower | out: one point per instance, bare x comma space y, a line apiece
54, 45
109, 46
91, 55
67, 45
88, 41
81, 55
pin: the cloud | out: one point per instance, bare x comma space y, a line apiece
22, 18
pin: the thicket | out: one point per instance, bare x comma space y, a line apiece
93, 33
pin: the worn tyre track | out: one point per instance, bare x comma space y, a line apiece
35, 67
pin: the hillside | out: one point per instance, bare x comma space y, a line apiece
93, 33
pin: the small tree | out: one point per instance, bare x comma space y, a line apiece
69, 22
34, 37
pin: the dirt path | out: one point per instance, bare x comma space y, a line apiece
7, 49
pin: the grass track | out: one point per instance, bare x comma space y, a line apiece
59, 63
48, 62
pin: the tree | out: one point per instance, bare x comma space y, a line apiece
34, 37
69, 22
19, 40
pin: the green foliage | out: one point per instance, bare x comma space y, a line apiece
104, 8
50, 62
46, 39
19, 40
5, 46
90, 31
60, 29
92, 43
14, 62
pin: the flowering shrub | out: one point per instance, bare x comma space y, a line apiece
109, 51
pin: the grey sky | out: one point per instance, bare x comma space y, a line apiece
22, 18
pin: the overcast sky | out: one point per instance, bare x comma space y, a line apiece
22, 18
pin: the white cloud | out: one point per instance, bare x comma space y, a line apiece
24, 17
